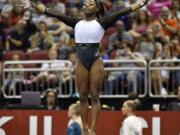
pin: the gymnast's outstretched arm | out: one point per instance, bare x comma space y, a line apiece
113, 17
70, 21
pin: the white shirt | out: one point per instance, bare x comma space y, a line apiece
131, 126
53, 64
88, 32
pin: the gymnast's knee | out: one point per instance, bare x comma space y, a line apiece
83, 97
95, 98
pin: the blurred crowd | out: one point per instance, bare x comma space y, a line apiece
152, 32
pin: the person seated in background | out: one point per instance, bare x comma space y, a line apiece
18, 39
133, 78
131, 124
74, 3
168, 23
175, 105
141, 22
156, 5
51, 101
63, 46
103, 52
115, 39
161, 79
57, 28
67, 76
11, 13
17, 13
13, 77
147, 45
46, 75
56, 4
74, 124
176, 9
41, 39
159, 36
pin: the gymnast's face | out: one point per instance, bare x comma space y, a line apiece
90, 8
125, 109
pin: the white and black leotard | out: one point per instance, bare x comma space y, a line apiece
88, 34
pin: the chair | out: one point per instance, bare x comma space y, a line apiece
29, 65
38, 55
9, 54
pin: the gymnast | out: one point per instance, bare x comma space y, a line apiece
88, 34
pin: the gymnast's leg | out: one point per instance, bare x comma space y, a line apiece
96, 80
82, 78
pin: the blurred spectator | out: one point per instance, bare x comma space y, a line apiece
2, 4
63, 46
175, 105
56, 28
168, 23
67, 75
103, 53
6, 13
13, 77
51, 100
133, 80
107, 4
175, 45
74, 3
17, 13
18, 39
74, 124
74, 12
47, 75
159, 35
127, 19
141, 22
147, 46
176, 9
131, 124
41, 39
73, 59
161, 78
56, 4
12, 12
156, 5
115, 40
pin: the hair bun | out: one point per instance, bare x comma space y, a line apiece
136, 103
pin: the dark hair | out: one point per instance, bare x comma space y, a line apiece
137, 17
46, 95
101, 8
43, 22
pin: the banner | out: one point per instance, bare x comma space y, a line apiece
36, 122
